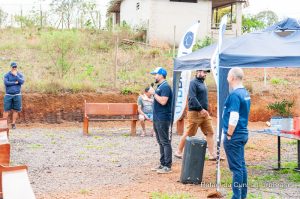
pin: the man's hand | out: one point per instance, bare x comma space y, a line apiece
204, 112
146, 117
16, 82
151, 91
228, 137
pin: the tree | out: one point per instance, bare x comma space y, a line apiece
251, 23
3, 17
89, 14
268, 17
61, 46
65, 10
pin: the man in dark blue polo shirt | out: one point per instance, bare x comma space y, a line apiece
235, 123
162, 115
13, 81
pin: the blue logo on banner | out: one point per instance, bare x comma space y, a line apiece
188, 40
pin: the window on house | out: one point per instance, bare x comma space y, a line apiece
188, 1
137, 5
219, 12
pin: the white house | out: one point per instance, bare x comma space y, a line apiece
167, 20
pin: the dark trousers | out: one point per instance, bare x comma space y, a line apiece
163, 137
235, 152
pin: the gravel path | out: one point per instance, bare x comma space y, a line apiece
62, 160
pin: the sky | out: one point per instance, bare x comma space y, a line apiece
286, 8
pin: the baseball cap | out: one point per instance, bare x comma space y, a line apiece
13, 64
204, 69
160, 71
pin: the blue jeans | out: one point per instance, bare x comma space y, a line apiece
235, 152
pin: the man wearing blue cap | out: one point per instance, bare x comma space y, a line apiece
13, 81
162, 116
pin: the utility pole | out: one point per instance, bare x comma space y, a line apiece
21, 19
41, 16
116, 61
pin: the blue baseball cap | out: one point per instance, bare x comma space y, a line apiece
160, 71
13, 64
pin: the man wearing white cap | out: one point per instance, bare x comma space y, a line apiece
162, 116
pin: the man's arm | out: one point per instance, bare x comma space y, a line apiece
234, 115
161, 99
7, 82
233, 120
20, 78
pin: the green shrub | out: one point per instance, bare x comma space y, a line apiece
283, 108
276, 81
61, 47
202, 43
126, 91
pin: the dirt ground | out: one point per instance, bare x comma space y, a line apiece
109, 164
56, 109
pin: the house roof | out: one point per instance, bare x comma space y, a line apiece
115, 5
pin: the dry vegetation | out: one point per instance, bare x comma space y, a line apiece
79, 60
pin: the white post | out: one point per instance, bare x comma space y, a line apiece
265, 77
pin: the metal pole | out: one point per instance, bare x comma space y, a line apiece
174, 42
279, 158
116, 61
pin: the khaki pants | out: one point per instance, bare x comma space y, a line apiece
196, 120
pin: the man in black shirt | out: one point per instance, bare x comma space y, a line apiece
197, 115
162, 116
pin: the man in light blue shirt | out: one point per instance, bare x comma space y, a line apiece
235, 123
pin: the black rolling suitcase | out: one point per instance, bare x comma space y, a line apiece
193, 161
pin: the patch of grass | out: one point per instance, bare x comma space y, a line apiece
292, 175
264, 178
126, 135
51, 135
157, 195
94, 147
291, 142
255, 196
84, 191
127, 91
114, 160
256, 167
277, 81
250, 146
35, 146
226, 177
97, 137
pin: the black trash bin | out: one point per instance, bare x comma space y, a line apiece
193, 161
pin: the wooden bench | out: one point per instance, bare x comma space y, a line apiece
15, 183
129, 110
4, 126
4, 143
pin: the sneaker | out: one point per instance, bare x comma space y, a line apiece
164, 170
157, 168
13, 126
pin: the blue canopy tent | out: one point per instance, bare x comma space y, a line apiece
276, 46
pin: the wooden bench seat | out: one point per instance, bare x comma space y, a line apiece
15, 183
128, 111
4, 143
